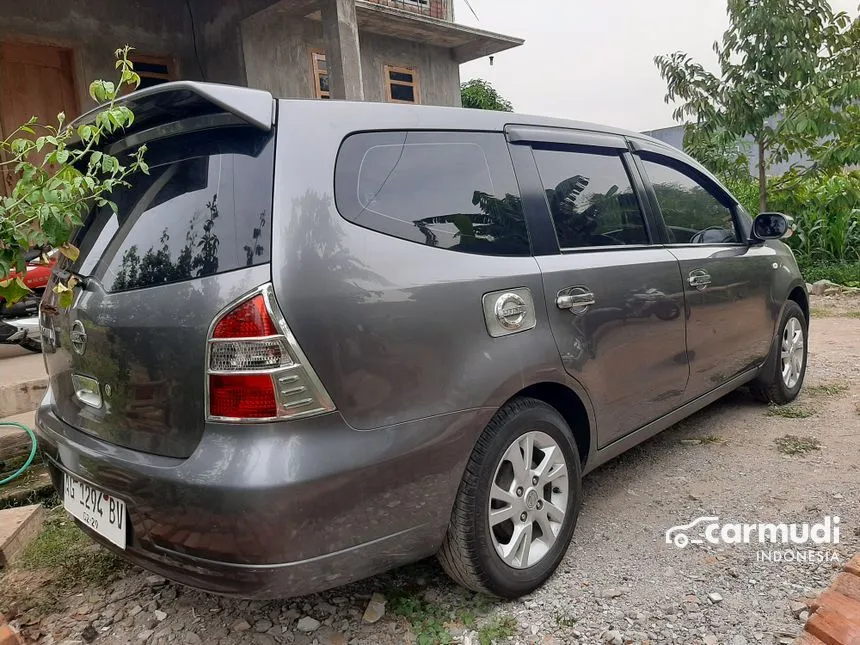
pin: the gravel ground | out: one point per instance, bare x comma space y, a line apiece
620, 583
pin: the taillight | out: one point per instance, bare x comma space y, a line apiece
255, 368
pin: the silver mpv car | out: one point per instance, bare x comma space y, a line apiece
324, 339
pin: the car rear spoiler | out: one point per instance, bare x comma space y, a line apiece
177, 100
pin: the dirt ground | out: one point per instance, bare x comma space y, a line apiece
620, 583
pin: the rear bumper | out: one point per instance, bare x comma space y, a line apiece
277, 510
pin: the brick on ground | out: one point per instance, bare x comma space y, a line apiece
836, 612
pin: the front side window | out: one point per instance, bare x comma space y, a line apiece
591, 198
453, 191
204, 208
692, 213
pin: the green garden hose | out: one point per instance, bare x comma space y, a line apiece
29, 461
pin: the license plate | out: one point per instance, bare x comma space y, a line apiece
102, 513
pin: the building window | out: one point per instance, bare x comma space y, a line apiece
319, 74
401, 84
153, 70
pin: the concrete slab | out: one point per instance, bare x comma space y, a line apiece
14, 442
23, 382
18, 526
16, 368
7, 351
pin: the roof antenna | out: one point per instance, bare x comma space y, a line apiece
472, 10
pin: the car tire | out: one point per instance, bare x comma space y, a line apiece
772, 385
470, 553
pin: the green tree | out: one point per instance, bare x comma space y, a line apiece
793, 59
62, 172
480, 95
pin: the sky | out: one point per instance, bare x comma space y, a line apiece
593, 61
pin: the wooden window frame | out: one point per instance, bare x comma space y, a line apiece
316, 73
152, 59
415, 84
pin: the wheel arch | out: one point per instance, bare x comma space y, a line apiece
798, 295
571, 406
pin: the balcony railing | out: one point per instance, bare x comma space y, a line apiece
433, 8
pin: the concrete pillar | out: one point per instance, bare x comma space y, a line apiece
342, 50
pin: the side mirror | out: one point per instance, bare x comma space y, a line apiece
772, 226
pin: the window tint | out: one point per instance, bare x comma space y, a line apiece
204, 208
693, 215
591, 199
455, 191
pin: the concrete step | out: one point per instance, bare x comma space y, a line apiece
14, 442
22, 383
17, 527
33, 485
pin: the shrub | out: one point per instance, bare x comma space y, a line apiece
826, 208
847, 274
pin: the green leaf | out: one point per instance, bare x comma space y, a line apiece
12, 290
66, 296
98, 92
62, 156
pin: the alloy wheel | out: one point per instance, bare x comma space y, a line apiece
792, 353
528, 499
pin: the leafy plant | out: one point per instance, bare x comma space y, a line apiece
827, 389
847, 274
64, 549
826, 208
427, 619
62, 173
792, 445
480, 95
499, 628
787, 78
789, 412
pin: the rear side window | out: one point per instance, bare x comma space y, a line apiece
205, 208
450, 190
591, 198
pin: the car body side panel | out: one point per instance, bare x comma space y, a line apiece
394, 329
730, 321
628, 348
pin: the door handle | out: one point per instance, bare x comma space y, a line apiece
578, 300
699, 278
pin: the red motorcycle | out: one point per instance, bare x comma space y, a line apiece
19, 322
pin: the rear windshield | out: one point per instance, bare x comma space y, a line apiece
204, 208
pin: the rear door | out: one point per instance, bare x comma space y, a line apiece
127, 359
614, 299
727, 282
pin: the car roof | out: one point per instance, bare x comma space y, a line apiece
169, 101
433, 117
